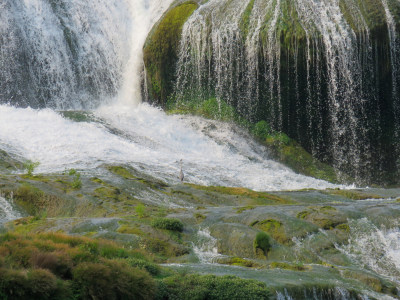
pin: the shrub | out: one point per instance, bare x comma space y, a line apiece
169, 224
211, 287
263, 242
76, 182
153, 269
115, 280
30, 166
42, 284
58, 263
262, 130
140, 210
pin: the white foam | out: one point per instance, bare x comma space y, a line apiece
212, 153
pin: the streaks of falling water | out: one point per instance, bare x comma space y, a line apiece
7, 211
232, 50
374, 248
205, 246
73, 54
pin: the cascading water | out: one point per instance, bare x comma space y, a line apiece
72, 54
205, 246
374, 248
314, 69
7, 211
80, 55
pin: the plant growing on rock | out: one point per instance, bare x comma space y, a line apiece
30, 166
262, 242
168, 224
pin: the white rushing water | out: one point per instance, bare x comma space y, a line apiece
213, 153
375, 248
205, 247
98, 62
7, 212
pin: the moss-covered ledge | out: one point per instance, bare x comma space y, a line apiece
160, 51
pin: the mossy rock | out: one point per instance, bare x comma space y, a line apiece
160, 51
325, 217
352, 194
288, 266
275, 229
238, 261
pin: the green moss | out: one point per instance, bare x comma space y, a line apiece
237, 261
129, 229
213, 108
160, 50
107, 193
239, 210
287, 266
245, 19
121, 171
199, 217
345, 227
297, 158
260, 197
352, 194
303, 214
275, 229
97, 180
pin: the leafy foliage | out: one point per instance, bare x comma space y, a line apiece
210, 287
168, 224
30, 166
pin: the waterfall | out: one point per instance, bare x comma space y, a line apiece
314, 69
205, 246
7, 212
375, 248
73, 54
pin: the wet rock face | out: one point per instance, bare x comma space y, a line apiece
325, 73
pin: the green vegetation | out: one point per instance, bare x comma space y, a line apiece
262, 242
160, 50
56, 266
352, 194
258, 197
286, 266
210, 287
168, 224
213, 108
283, 148
245, 19
238, 261
274, 228
76, 183
30, 166
140, 210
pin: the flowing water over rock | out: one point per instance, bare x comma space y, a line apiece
7, 211
374, 248
306, 67
70, 83
146, 138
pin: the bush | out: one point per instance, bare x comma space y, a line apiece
169, 224
153, 269
58, 263
30, 166
262, 130
263, 242
210, 287
112, 281
42, 284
